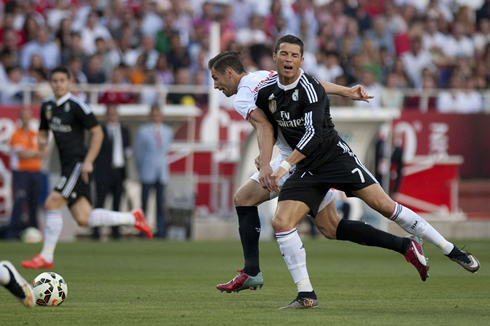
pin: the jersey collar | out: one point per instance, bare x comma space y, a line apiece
63, 99
290, 86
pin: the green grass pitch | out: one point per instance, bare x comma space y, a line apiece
137, 282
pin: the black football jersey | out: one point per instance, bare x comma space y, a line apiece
68, 118
302, 111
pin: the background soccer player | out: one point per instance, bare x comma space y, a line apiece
323, 161
68, 117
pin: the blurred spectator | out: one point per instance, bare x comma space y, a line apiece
118, 96
391, 96
82, 13
162, 38
482, 38
151, 157
254, 33
138, 71
110, 165
381, 36
92, 30
74, 49
164, 74
41, 45
400, 70
147, 48
64, 35
415, 61
29, 30
460, 98
395, 24
303, 10
94, 72
12, 92
26, 163
76, 66
423, 99
5, 62
206, 18
56, 14
151, 21
243, 9
333, 13
373, 88
458, 44
182, 77
178, 56
328, 67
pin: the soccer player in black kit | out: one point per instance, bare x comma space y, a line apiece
297, 104
68, 117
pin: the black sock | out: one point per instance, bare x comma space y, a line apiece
249, 229
365, 234
311, 295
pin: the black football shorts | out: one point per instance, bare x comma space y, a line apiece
71, 185
343, 171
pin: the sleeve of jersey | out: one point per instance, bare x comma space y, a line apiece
244, 102
43, 123
86, 116
314, 103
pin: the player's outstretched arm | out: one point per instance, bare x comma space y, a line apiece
355, 93
265, 138
93, 151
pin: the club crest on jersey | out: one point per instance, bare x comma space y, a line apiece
296, 95
48, 113
272, 103
66, 107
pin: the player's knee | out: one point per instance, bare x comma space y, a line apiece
279, 223
54, 202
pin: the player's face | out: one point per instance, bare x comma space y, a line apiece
288, 60
60, 83
223, 82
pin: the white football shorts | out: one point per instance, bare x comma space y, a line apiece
331, 194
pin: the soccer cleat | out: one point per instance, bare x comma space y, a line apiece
302, 303
18, 286
37, 262
415, 256
242, 282
140, 222
465, 259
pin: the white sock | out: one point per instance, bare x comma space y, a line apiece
294, 254
4, 275
52, 231
105, 217
414, 224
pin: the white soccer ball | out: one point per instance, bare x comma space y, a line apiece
32, 235
50, 289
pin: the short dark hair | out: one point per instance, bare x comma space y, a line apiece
227, 59
61, 69
289, 39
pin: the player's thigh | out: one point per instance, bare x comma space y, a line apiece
327, 220
81, 211
376, 198
288, 214
251, 193
55, 201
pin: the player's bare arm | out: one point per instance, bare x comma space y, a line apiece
94, 149
294, 158
265, 138
355, 93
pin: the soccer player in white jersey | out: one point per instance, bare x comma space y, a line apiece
68, 117
299, 106
230, 77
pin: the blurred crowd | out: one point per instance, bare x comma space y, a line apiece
388, 46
